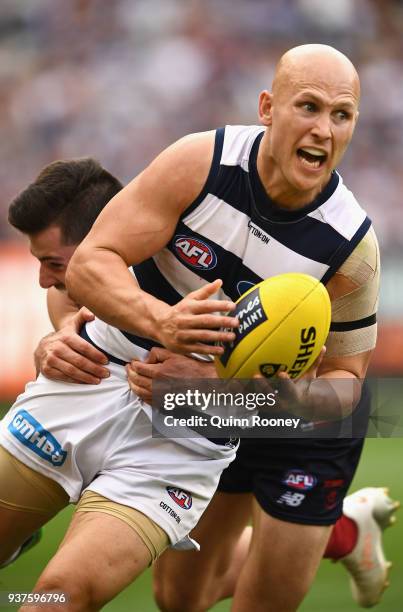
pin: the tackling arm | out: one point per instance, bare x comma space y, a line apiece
61, 308
137, 223
63, 354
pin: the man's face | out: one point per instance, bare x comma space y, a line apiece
47, 246
311, 118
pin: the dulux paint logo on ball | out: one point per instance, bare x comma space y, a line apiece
250, 313
194, 252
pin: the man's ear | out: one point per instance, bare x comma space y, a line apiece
265, 107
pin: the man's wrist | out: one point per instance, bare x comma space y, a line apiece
157, 312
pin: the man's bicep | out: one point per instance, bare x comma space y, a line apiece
140, 220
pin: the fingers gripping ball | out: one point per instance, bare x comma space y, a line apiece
284, 322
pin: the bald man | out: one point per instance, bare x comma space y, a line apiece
241, 204
281, 181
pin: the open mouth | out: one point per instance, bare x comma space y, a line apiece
311, 157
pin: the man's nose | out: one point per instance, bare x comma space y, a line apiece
46, 278
322, 126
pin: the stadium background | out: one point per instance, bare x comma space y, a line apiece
121, 80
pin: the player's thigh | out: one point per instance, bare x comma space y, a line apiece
98, 557
281, 565
299, 486
16, 527
178, 573
28, 500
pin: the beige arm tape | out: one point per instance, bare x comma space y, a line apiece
152, 535
363, 268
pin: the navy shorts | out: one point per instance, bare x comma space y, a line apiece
297, 480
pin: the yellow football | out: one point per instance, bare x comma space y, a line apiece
283, 324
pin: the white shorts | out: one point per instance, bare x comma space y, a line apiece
98, 437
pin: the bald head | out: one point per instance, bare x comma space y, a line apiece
315, 64
310, 117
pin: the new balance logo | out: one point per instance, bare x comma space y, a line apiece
40, 441
291, 499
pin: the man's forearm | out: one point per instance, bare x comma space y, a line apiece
330, 397
100, 279
61, 309
102, 282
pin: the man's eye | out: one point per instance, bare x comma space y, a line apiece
309, 106
342, 115
56, 266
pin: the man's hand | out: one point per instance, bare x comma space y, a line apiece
191, 326
293, 395
319, 395
162, 363
64, 355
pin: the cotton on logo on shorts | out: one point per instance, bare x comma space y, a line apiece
180, 497
291, 499
40, 441
170, 511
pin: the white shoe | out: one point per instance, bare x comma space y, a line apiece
372, 510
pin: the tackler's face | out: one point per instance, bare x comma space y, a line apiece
53, 255
311, 118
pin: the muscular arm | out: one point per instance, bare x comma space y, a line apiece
354, 295
136, 224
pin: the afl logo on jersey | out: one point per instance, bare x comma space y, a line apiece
180, 497
195, 252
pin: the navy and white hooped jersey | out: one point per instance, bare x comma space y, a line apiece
233, 231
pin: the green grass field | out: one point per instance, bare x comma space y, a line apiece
381, 465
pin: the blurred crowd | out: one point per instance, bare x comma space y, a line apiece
121, 79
